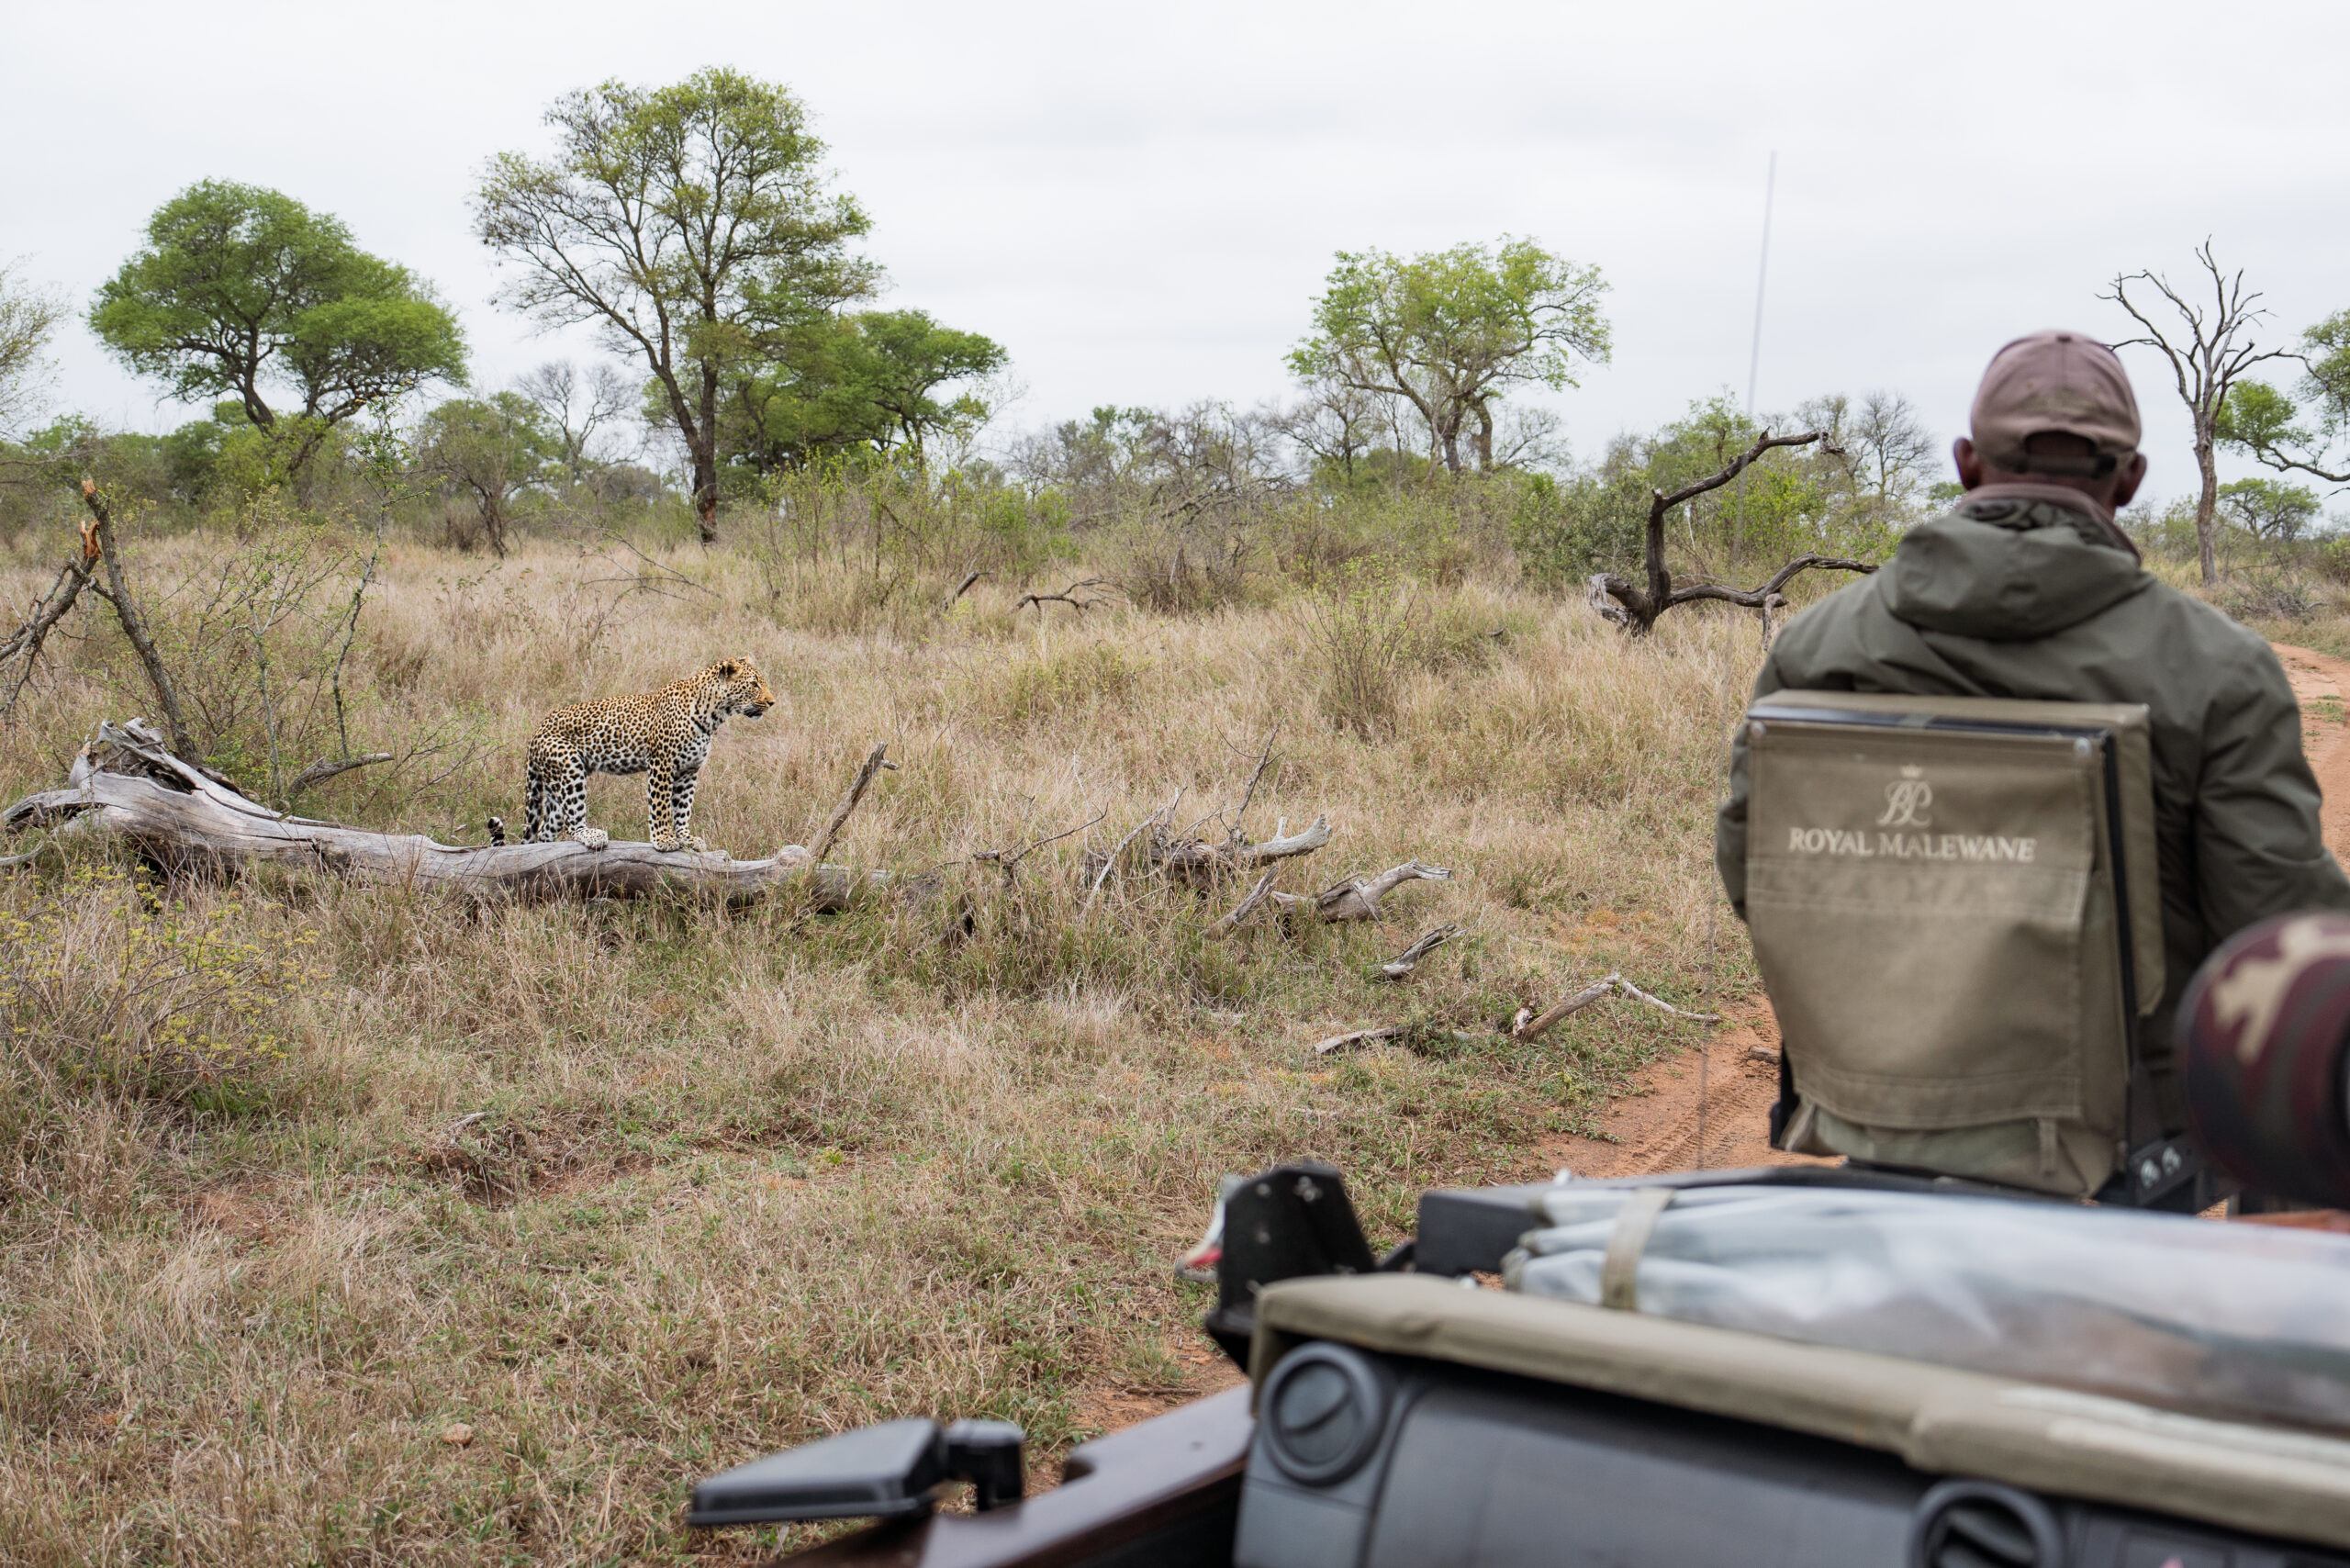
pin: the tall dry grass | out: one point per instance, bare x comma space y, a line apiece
639, 1190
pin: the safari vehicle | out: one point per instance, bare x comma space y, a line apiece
1977, 1343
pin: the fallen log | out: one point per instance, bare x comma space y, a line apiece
187, 819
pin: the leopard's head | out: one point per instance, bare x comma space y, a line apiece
738, 688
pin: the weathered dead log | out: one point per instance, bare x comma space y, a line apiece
127, 782
1409, 958
1197, 863
1356, 898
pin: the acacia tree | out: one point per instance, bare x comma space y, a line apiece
2209, 351
1448, 333
241, 291
691, 224
492, 449
870, 381
2265, 422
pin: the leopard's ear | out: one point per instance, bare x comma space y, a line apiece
727, 669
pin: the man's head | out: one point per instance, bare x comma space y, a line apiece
2055, 408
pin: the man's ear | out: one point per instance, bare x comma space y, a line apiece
1969, 462
2126, 483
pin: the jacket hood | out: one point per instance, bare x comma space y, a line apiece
2008, 563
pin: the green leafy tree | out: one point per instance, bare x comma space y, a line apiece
241, 291
1449, 333
2267, 510
872, 381
2310, 435
692, 224
491, 450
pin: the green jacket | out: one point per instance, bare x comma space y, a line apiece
2020, 592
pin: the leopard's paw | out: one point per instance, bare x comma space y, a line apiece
592, 837
697, 843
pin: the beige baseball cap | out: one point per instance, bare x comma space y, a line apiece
2055, 380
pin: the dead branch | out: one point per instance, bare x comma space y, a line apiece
25, 641
323, 770
874, 764
1101, 875
117, 592
1409, 958
1067, 595
1528, 1024
1636, 608
1359, 1038
1247, 906
1525, 1027
1356, 898
964, 587
1200, 864
189, 821
1008, 861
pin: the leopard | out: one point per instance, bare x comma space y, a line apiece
664, 735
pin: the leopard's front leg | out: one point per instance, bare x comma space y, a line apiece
681, 795
667, 802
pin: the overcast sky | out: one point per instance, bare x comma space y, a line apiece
1139, 202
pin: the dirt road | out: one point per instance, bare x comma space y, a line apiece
1697, 1111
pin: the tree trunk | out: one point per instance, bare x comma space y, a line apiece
705, 446
128, 782
2207, 503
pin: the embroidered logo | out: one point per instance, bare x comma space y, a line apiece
1906, 800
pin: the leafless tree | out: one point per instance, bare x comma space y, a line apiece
577, 406
2209, 349
1334, 423
1894, 446
27, 316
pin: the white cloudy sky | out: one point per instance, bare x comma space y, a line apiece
1139, 202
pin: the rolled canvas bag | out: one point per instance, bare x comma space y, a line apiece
1954, 905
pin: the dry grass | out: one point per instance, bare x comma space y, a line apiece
732, 1179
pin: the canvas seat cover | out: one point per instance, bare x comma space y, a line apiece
1955, 906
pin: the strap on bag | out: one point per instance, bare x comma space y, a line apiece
1619, 1282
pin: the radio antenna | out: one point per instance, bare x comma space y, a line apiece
1762, 282
1754, 355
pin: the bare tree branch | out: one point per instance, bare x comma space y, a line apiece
1639, 606
874, 764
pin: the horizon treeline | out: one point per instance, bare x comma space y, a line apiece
696, 230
